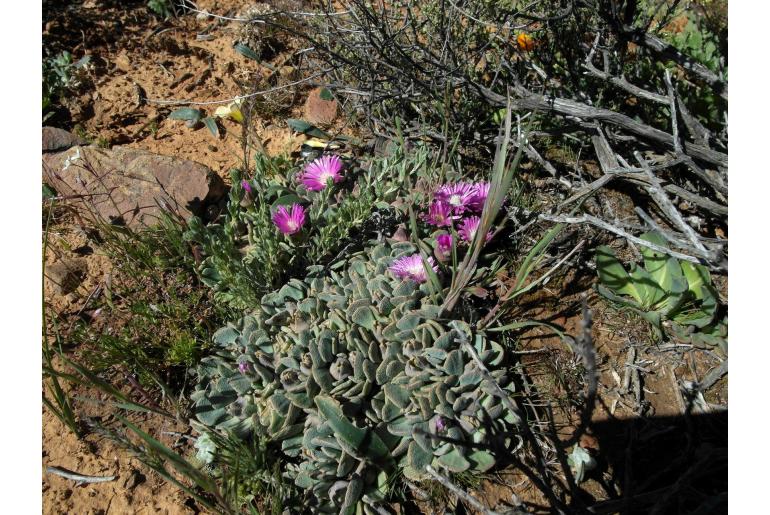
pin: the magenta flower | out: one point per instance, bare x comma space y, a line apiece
469, 227
440, 424
480, 193
411, 267
289, 222
243, 367
439, 214
459, 195
246, 186
444, 246
318, 173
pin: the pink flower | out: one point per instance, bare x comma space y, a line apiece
289, 222
411, 267
439, 214
444, 246
458, 195
469, 227
246, 186
317, 174
480, 193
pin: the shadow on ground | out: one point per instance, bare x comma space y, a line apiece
662, 465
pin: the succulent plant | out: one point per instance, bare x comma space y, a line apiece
668, 293
357, 376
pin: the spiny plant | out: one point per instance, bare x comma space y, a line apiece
666, 292
360, 378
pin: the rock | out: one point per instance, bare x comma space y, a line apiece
66, 275
133, 479
128, 187
123, 62
58, 139
319, 111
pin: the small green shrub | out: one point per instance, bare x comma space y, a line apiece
244, 255
158, 316
61, 75
160, 7
358, 377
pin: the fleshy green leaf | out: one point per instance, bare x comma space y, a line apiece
364, 317
614, 276
332, 412
285, 200
225, 336
454, 363
304, 127
649, 290
397, 394
187, 114
453, 461
664, 270
697, 276
481, 460
357, 438
352, 495
211, 125
417, 457
246, 51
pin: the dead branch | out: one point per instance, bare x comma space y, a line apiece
712, 377
664, 203
527, 101
667, 52
713, 258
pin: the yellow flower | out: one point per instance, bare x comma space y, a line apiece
231, 111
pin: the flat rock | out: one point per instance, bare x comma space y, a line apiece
319, 111
128, 186
58, 139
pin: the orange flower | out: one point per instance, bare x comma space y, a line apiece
525, 42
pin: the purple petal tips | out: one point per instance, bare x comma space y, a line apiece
443, 246
459, 195
469, 227
289, 221
480, 194
317, 174
439, 214
411, 267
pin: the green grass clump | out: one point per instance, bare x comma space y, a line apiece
156, 317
